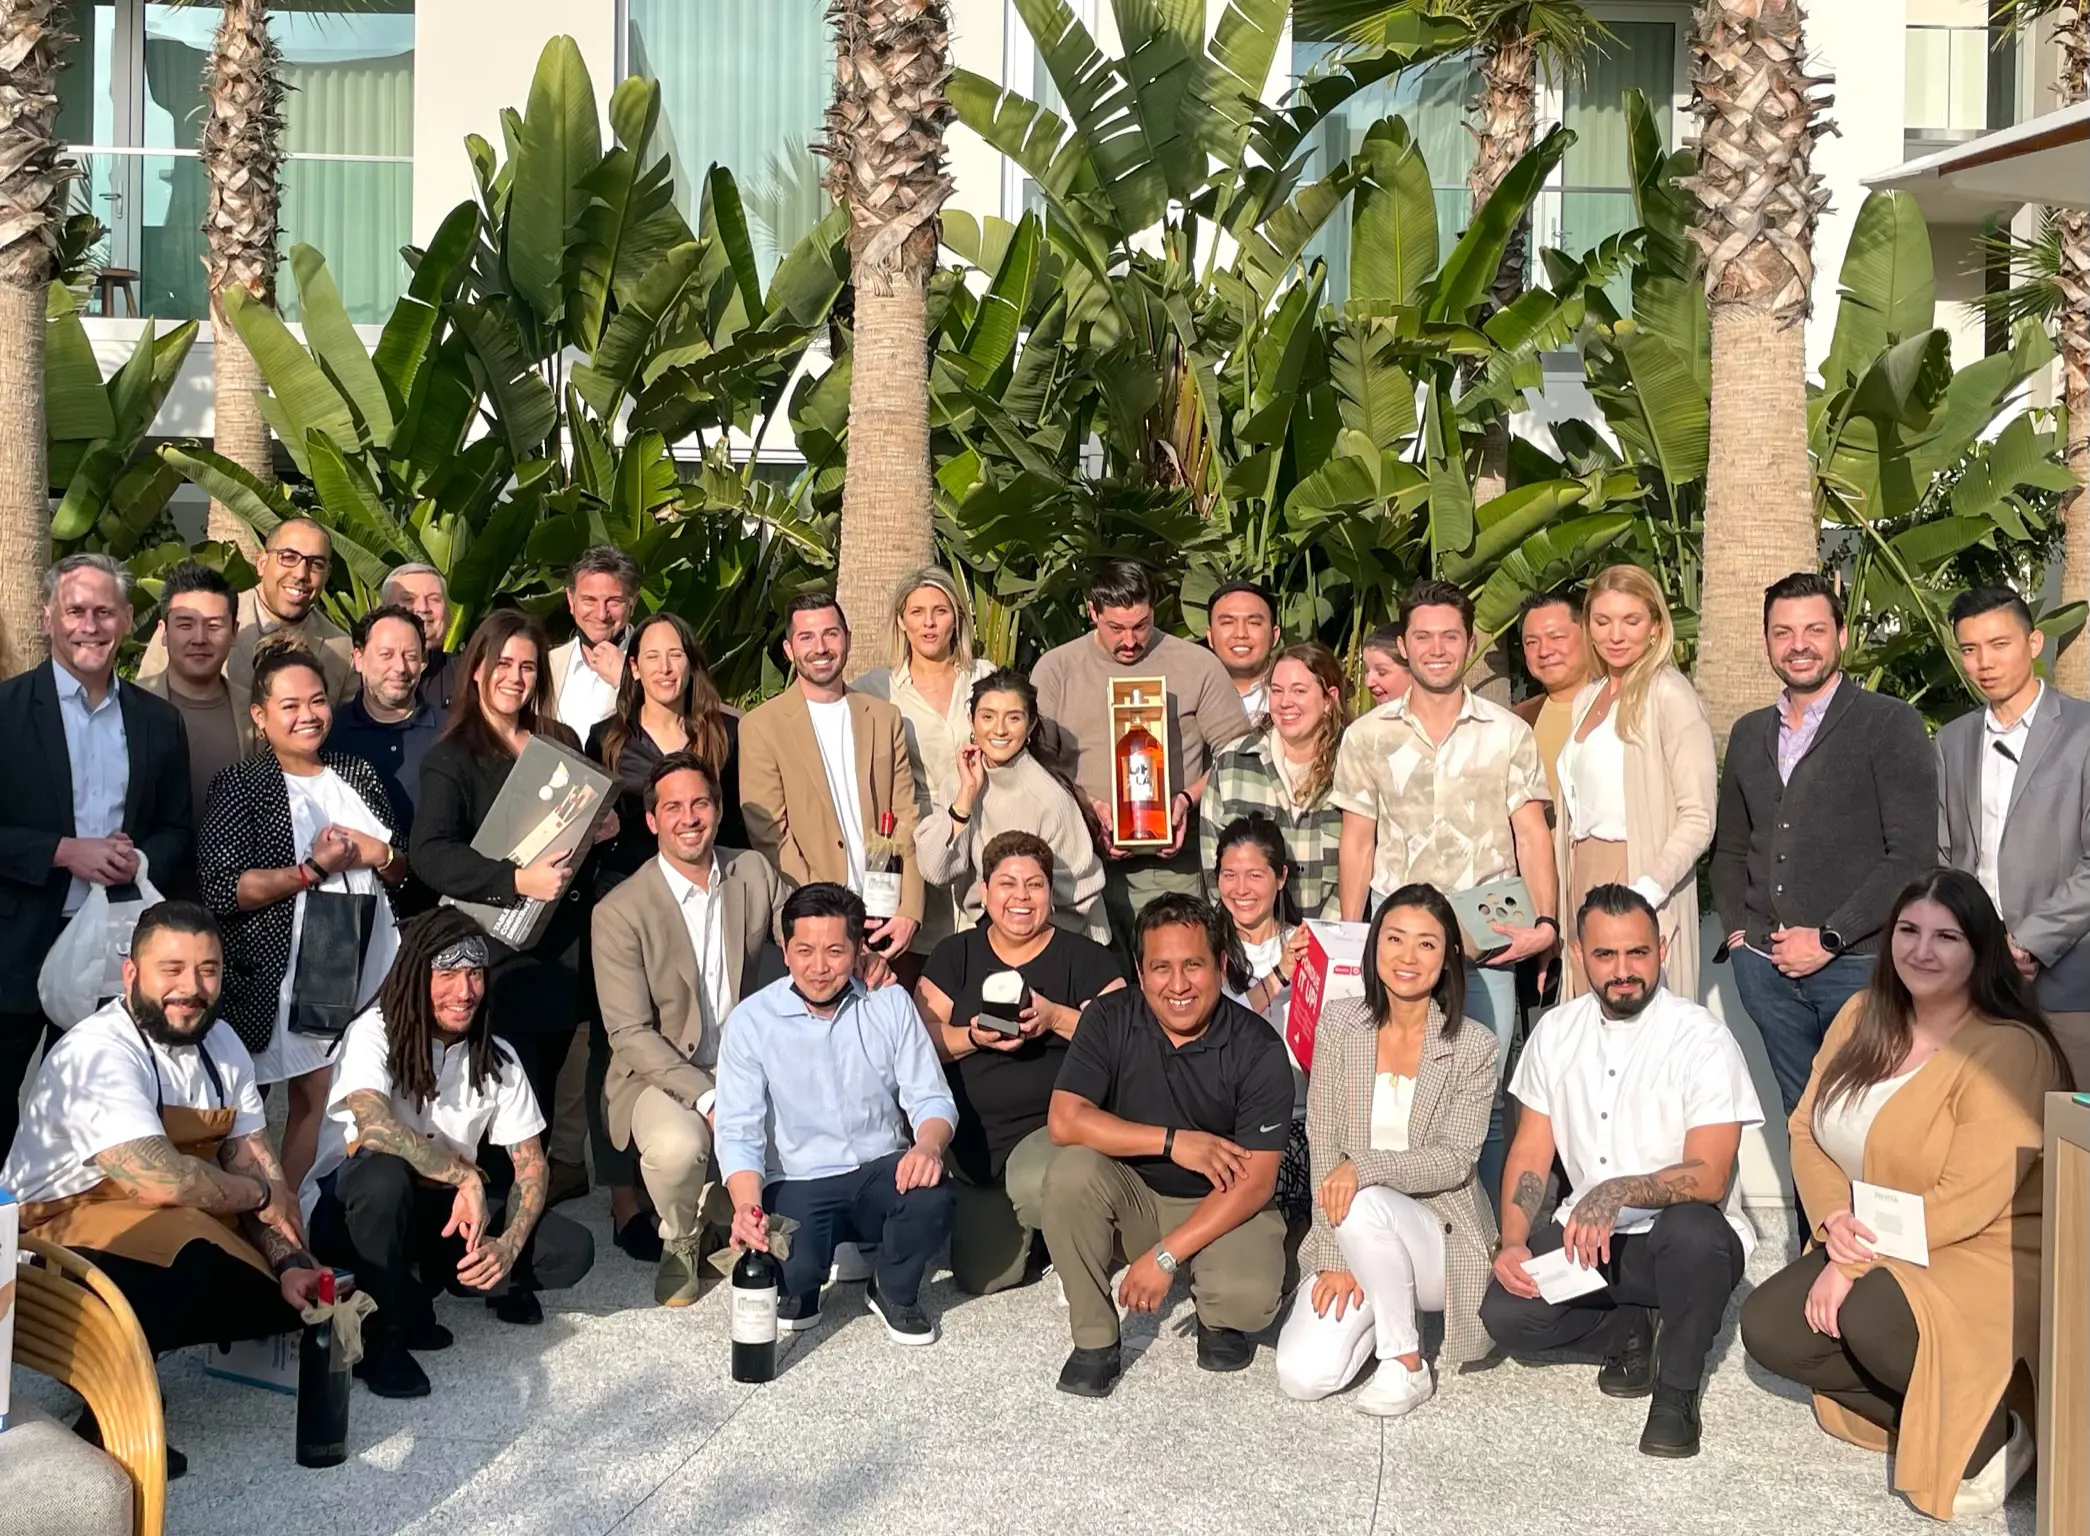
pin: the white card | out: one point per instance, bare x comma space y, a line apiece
1895, 1219
1561, 1278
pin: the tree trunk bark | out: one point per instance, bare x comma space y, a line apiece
238, 431
25, 479
1759, 515
2072, 661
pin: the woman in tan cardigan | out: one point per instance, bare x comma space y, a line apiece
1397, 1108
1637, 776
1929, 1083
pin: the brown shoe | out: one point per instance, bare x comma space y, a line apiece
569, 1181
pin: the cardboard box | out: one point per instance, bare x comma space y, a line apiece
10, 1256
1332, 969
271, 1363
1153, 712
552, 801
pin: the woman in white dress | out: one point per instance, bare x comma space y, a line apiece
290, 820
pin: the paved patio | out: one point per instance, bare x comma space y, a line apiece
618, 1416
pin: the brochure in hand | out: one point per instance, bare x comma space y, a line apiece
553, 801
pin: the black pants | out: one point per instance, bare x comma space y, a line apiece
20, 1035
863, 1205
1684, 1267
205, 1296
1867, 1370
377, 1218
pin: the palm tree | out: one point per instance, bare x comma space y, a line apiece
33, 175
885, 164
1758, 200
242, 154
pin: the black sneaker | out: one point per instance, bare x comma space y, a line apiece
640, 1238
1223, 1349
1629, 1370
388, 1370
1091, 1372
426, 1336
798, 1314
904, 1324
1672, 1424
518, 1306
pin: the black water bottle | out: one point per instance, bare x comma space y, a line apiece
322, 1390
756, 1280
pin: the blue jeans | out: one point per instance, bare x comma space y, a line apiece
1491, 999
1793, 1013
862, 1206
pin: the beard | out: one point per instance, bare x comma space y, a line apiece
1784, 673
150, 1015
1619, 1008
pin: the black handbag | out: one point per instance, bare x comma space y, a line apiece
327, 971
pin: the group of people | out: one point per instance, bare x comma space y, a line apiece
1051, 1052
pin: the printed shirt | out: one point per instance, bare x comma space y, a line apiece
1443, 810
1246, 778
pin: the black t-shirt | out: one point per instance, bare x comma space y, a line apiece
1003, 1095
1234, 1080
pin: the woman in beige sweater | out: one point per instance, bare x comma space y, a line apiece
1638, 780
1001, 786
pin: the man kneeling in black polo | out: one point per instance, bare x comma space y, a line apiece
1173, 1108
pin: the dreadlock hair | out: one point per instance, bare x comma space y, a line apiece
409, 1012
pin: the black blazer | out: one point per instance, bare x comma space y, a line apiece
36, 810
248, 827
626, 853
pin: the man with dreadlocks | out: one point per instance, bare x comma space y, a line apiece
419, 1083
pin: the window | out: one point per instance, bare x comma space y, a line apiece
131, 106
745, 86
1023, 70
1594, 200
1959, 82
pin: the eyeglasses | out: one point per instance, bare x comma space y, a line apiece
290, 560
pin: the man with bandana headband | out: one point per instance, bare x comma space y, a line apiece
396, 1193
144, 1147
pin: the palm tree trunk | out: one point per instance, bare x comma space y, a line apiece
1508, 111
885, 152
33, 40
242, 153
2072, 662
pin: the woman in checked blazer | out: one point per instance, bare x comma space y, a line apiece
1397, 1107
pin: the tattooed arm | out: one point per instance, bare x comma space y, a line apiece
379, 1130
485, 1265
1701, 1174
153, 1171
1524, 1170
275, 1229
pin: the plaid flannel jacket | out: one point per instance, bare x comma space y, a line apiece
1244, 779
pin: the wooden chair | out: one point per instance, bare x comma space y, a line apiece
73, 1324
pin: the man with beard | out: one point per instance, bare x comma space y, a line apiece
1643, 1094
1828, 807
294, 566
143, 1146
390, 724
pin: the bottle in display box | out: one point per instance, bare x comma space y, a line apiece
883, 859
1138, 707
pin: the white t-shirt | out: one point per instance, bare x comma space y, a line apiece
459, 1117
103, 1084
1621, 1096
837, 738
1393, 1101
1842, 1129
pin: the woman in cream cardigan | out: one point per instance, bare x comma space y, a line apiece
1637, 775
1930, 1083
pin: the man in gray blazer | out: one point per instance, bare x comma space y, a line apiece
2014, 806
676, 945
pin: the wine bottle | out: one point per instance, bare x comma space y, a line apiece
883, 858
322, 1390
754, 1315
1142, 800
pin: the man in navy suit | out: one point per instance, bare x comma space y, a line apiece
99, 774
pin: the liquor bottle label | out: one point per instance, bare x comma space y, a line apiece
881, 894
1140, 788
754, 1315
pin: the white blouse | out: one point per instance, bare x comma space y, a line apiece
1593, 782
1841, 1129
1393, 1100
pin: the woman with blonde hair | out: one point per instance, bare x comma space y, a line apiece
1637, 776
1285, 772
932, 684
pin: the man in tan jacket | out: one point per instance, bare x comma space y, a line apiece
675, 946
819, 766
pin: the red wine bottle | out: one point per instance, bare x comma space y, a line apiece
322, 1390
755, 1282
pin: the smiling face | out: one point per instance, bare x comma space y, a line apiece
818, 645
455, 996
296, 715
685, 818
1803, 641
1242, 634
85, 622
171, 984
1622, 957
198, 627
1385, 675
1248, 886
929, 622
1412, 945
389, 661
294, 568
662, 663
1179, 976
1999, 653
1001, 725
507, 682
1621, 627
1017, 899
820, 956
1298, 702
1931, 955
1124, 632
421, 594
1556, 653
1438, 645
600, 606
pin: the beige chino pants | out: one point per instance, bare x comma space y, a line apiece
675, 1163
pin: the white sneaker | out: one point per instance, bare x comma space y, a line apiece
1985, 1491
1394, 1390
852, 1265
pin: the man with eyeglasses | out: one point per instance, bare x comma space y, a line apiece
294, 566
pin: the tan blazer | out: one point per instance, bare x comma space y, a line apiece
242, 720
785, 801
326, 639
1965, 1133
646, 977
1672, 788
1454, 1090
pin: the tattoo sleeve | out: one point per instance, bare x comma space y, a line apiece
1674, 1185
275, 1228
1529, 1193
156, 1172
379, 1129
526, 1199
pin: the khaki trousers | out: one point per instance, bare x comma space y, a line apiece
674, 1147
1099, 1212
2073, 1031
991, 1237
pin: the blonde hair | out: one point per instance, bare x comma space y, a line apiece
1328, 735
961, 610
1632, 581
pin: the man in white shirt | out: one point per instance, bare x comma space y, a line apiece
1241, 627
419, 1083
1643, 1094
675, 945
587, 670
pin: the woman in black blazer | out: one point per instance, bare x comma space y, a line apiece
290, 819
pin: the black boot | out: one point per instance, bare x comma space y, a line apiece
1672, 1424
1629, 1370
1091, 1372
389, 1369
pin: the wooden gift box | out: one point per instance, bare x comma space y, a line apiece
1152, 711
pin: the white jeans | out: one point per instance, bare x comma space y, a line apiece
1394, 1245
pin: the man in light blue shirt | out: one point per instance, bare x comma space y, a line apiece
819, 1082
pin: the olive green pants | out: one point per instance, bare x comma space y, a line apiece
991, 1236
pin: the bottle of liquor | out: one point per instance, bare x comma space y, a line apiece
883, 857
322, 1390
754, 1316
1142, 808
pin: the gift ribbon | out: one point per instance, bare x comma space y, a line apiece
346, 1314
780, 1230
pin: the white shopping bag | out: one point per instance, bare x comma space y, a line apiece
85, 967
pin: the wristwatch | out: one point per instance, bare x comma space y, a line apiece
1831, 940
1164, 1261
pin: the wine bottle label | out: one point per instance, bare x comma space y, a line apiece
754, 1315
1140, 787
881, 894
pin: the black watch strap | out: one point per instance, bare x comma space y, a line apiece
1168, 1143
1545, 921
